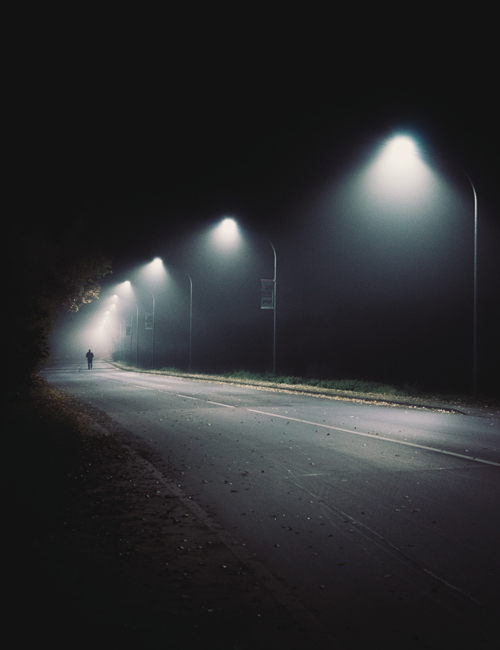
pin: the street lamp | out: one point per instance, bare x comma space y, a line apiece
153, 335
190, 315
274, 309
226, 233
126, 288
153, 271
400, 153
190, 320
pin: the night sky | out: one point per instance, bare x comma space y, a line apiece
143, 132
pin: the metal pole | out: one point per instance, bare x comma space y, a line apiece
474, 334
274, 309
153, 341
137, 336
475, 364
190, 320
475, 370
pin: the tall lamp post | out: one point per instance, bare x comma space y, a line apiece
227, 227
129, 284
159, 262
274, 308
404, 147
127, 287
153, 334
153, 271
474, 369
190, 320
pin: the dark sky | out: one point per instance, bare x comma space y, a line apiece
143, 131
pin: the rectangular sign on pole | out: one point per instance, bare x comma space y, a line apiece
148, 321
267, 294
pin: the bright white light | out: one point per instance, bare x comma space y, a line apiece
157, 263
125, 292
228, 226
401, 150
399, 174
124, 288
226, 232
154, 271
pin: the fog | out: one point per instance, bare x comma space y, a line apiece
374, 281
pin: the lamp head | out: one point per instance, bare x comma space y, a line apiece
226, 232
401, 150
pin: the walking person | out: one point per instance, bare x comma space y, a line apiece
90, 356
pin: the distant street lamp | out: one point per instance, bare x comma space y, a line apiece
274, 309
153, 332
158, 266
127, 287
153, 271
227, 231
190, 320
401, 150
190, 317
128, 284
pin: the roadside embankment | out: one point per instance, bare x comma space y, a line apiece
450, 403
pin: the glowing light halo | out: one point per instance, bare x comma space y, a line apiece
401, 150
399, 173
227, 232
153, 272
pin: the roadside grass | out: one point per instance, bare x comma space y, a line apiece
356, 385
351, 387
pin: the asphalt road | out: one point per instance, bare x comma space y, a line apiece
383, 522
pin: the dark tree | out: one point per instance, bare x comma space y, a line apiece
49, 270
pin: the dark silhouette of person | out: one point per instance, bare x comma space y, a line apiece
90, 356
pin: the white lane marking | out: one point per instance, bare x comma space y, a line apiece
229, 406
200, 399
369, 435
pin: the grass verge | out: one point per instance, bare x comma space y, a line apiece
352, 388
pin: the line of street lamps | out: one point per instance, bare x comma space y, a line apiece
158, 262
402, 146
